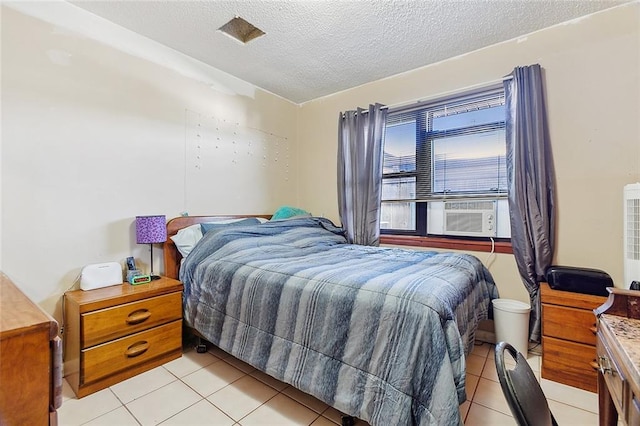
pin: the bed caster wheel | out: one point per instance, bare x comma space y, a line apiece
201, 348
348, 421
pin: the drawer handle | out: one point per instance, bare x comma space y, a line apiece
604, 365
593, 329
136, 317
594, 365
137, 349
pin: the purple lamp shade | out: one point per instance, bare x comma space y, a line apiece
151, 229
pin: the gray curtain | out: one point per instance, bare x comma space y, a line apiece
360, 148
531, 183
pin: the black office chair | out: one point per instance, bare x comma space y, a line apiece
521, 389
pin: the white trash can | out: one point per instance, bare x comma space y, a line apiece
511, 323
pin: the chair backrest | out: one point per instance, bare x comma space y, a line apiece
521, 389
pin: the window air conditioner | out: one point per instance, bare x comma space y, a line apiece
475, 218
631, 235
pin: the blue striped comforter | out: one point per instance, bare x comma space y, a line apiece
378, 333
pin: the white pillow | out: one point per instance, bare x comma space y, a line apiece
187, 238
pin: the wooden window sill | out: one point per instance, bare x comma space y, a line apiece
446, 243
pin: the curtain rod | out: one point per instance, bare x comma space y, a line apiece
449, 93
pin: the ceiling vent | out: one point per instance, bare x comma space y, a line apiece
241, 30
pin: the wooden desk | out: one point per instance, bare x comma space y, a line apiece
618, 352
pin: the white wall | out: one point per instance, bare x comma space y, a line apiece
592, 73
100, 125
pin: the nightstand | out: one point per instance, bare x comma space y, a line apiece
117, 332
569, 337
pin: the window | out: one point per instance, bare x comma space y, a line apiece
444, 168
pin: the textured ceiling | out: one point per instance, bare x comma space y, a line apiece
315, 48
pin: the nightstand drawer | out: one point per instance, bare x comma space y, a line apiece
567, 323
111, 323
569, 363
118, 355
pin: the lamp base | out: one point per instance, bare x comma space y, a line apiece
155, 277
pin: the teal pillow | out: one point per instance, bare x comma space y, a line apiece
206, 227
287, 212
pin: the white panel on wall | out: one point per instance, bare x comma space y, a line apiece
224, 158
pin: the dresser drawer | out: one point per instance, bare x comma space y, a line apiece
569, 363
109, 358
111, 323
567, 323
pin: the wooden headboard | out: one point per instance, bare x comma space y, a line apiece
172, 256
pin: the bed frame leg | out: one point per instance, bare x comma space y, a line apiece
201, 346
348, 421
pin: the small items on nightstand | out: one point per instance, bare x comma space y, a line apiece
135, 275
100, 275
138, 278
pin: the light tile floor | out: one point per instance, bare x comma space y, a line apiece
217, 389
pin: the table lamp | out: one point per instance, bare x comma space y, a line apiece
151, 230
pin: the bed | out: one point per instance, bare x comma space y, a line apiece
378, 333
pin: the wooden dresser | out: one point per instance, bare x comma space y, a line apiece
618, 349
30, 360
117, 332
569, 337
